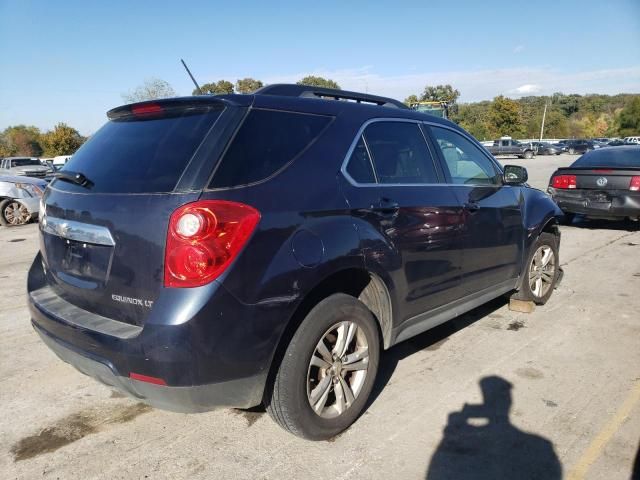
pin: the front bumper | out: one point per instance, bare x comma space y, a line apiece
604, 204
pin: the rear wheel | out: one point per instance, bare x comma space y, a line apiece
572, 151
328, 370
542, 271
13, 212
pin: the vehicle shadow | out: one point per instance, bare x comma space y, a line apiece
481, 443
429, 340
602, 224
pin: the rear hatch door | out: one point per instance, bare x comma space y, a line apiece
103, 239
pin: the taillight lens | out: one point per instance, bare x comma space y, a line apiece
204, 238
564, 181
634, 184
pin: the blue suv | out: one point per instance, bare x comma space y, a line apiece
240, 250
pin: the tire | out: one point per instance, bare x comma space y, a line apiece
289, 399
572, 151
528, 154
525, 290
568, 218
13, 213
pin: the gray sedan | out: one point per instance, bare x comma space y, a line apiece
19, 199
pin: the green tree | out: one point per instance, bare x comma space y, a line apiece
504, 117
411, 99
151, 89
62, 140
440, 93
221, 87
248, 85
22, 140
629, 119
318, 82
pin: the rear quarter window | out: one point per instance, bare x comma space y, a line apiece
267, 142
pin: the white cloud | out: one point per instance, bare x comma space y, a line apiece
518, 48
526, 89
475, 85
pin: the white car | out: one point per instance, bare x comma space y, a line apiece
632, 140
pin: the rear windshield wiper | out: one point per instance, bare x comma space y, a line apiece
74, 177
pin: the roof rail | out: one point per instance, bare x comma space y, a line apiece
294, 90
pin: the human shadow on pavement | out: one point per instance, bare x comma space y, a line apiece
635, 474
481, 443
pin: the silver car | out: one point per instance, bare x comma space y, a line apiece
19, 199
23, 166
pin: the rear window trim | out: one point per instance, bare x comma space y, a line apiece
208, 188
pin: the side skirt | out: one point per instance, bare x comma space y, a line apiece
428, 320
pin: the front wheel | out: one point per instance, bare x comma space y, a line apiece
528, 154
13, 212
572, 151
542, 271
328, 370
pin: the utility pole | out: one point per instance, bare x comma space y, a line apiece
544, 115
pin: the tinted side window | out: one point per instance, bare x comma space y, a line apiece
400, 153
466, 163
266, 142
359, 167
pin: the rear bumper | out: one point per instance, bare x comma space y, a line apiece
209, 348
189, 399
618, 204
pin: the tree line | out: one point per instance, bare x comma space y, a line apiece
29, 141
568, 116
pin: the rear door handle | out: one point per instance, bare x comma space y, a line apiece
471, 207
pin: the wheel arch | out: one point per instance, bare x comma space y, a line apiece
365, 285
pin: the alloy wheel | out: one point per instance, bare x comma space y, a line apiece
542, 271
337, 369
16, 214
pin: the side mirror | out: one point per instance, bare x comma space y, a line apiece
515, 175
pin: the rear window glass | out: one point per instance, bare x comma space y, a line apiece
267, 141
141, 155
610, 157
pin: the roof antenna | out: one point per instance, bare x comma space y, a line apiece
192, 79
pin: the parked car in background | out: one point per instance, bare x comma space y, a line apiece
616, 143
23, 166
19, 199
508, 146
580, 146
231, 250
632, 140
545, 148
602, 183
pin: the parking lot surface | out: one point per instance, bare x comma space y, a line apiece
555, 391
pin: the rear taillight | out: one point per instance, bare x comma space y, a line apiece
634, 184
564, 181
204, 238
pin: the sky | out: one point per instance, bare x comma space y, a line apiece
71, 61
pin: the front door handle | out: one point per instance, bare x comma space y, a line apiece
387, 208
471, 207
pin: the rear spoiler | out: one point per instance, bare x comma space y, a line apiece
155, 107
